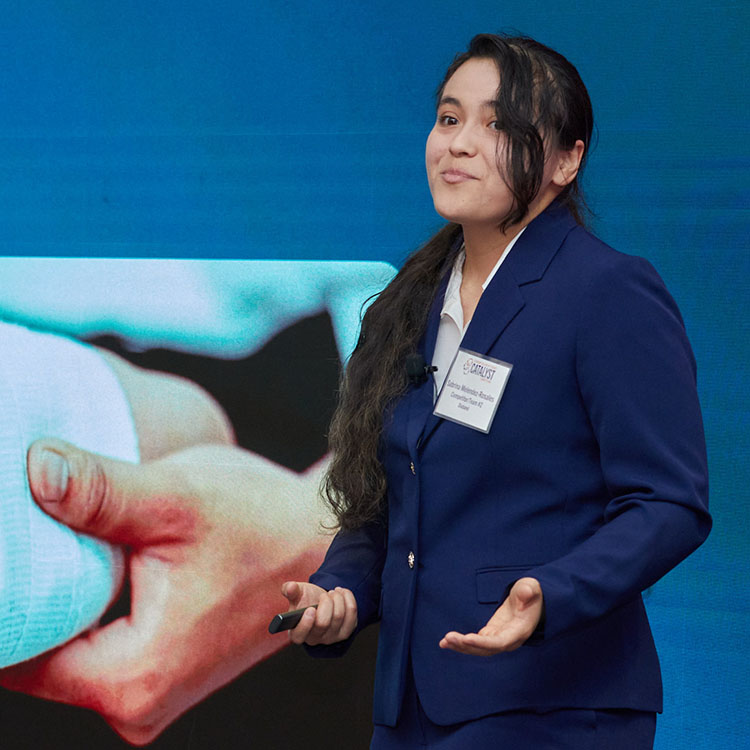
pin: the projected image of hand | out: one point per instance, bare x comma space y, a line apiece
210, 530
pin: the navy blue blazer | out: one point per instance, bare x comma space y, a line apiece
592, 479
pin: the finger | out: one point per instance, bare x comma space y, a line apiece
106, 671
122, 502
329, 619
339, 612
350, 618
323, 617
312, 624
490, 640
521, 626
293, 592
525, 592
474, 644
520, 612
301, 632
72, 674
455, 642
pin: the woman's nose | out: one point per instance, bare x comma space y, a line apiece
463, 142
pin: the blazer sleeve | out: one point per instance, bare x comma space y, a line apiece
637, 380
354, 561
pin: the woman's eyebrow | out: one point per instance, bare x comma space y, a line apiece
453, 102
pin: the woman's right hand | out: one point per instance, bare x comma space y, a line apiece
334, 620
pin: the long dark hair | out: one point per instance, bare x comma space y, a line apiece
541, 100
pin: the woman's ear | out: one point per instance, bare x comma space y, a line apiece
569, 161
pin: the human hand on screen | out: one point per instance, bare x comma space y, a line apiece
510, 627
210, 530
334, 619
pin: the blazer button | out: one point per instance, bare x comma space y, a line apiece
411, 466
410, 559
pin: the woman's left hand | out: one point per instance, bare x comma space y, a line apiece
510, 627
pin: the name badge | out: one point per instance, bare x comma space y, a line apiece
473, 389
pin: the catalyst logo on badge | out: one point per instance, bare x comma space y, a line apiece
482, 371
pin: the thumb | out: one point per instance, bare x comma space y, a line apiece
133, 504
292, 591
525, 592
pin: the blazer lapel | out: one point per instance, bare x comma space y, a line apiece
421, 396
503, 299
499, 304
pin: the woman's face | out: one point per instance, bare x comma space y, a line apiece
463, 148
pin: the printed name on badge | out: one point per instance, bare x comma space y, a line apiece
472, 390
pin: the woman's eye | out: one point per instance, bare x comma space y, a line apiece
495, 125
447, 120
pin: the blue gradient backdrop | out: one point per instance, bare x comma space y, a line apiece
295, 130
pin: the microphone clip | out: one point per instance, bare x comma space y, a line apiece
417, 369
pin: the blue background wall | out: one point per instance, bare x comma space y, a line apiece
295, 130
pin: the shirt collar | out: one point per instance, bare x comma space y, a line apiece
452, 300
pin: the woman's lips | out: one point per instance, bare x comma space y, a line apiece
453, 176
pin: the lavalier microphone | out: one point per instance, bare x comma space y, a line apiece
417, 369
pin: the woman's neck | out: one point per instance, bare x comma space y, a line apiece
485, 243
483, 249
484, 246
